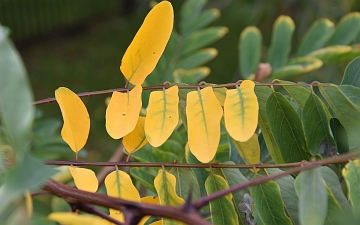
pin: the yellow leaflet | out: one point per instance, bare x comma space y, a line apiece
249, 150
162, 116
85, 179
122, 112
241, 111
136, 138
119, 185
149, 200
203, 112
148, 44
28, 203
75, 130
159, 222
165, 184
68, 218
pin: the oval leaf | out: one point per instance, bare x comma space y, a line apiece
316, 123
241, 111
352, 73
203, 118
75, 130
313, 197
148, 44
162, 116
351, 173
269, 204
249, 150
122, 112
222, 209
286, 127
69, 218
85, 179
346, 30
136, 138
280, 46
297, 66
250, 50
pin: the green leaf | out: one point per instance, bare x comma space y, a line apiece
249, 50
202, 20
186, 183
288, 194
190, 10
351, 173
202, 38
191, 76
197, 58
346, 30
152, 154
316, 125
351, 92
297, 66
144, 177
332, 181
16, 98
29, 175
340, 136
313, 197
263, 94
334, 211
222, 209
249, 150
280, 46
269, 204
331, 54
297, 93
286, 127
352, 73
347, 112
316, 36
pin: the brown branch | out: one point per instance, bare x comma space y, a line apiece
202, 201
162, 86
92, 210
181, 165
75, 196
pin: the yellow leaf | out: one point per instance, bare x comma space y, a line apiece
203, 112
149, 200
85, 179
241, 111
75, 130
122, 112
249, 150
148, 44
119, 185
29, 204
159, 222
165, 184
136, 138
162, 116
68, 218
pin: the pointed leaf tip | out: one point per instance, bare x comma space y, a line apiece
75, 130
148, 44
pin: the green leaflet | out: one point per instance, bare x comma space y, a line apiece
286, 127
352, 73
297, 66
186, 183
222, 209
351, 173
152, 154
144, 177
16, 98
190, 10
313, 197
347, 112
288, 194
263, 94
346, 30
334, 211
191, 76
297, 93
316, 125
249, 51
280, 46
332, 181
331, 54
340, 136
269, 204
316, 36
197, 59
351, 92
202, 38
202, 20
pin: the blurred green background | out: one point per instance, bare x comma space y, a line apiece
79, 44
